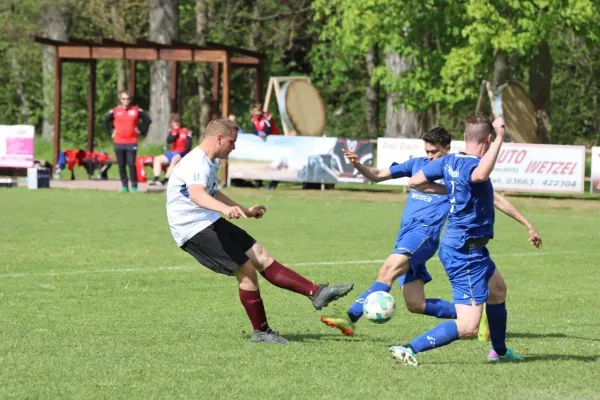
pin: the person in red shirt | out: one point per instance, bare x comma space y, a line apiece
180, 139
125, 119
263, 125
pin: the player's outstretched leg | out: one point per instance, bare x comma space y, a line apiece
394, 266
285, 278
252, 302
497, 319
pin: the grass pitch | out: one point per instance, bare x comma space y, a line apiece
97, 302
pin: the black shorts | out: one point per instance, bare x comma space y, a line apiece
221, 247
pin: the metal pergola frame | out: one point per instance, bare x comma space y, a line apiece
221, 56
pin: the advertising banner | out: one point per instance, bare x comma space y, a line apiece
595, 181
297, 159
16, 146
520, 167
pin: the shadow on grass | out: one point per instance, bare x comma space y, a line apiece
560, 357
335, 337
557, 335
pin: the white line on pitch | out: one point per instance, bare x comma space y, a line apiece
302, 264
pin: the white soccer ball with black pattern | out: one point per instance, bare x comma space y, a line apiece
379, 307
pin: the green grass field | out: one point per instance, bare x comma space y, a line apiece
97, 302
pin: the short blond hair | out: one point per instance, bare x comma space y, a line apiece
477, 128
221, 125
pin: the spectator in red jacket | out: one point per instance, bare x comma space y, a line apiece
125, 132
180, 139
263, 125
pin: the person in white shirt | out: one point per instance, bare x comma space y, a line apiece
194, 205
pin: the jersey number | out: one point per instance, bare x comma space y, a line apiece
451, 197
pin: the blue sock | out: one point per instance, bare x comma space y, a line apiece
441, 335
497, 316
356, 309
440, 308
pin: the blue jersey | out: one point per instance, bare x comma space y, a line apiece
421, 209
471, 204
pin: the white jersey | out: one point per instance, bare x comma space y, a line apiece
185, 217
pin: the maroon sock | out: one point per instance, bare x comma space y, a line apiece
285, 278
255, 309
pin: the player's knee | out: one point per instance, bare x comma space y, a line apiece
498, 292
246, 276
390, 270
467, 329
260, 257
415, 307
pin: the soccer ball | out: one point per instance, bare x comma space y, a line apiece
379, 307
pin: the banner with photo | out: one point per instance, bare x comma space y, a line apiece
297, 159
16, 146
520, 167
595, 178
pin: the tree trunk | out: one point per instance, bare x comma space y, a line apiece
372, 95
204, 72
164, 28
399, 121
18, 78
55, 21
540, 81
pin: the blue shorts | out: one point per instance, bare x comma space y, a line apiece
469, 271
171, 155
420, 244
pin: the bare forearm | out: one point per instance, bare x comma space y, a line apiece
431, 188
372, 174
502, 204
487, 163
226, 200
205, 200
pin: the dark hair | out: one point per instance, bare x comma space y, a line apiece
478, 127
438, 135
175, 117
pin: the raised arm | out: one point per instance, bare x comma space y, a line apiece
372, 174
502, 204
483, 171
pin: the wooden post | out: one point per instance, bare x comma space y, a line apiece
132, 76
91, 105
57, 101
174, 82
215, 89
225, 109
259, 83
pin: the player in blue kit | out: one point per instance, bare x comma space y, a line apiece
474, 278
417, 241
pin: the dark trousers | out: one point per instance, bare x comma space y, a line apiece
126, 155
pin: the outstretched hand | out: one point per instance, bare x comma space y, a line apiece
352, 157
534, 238
257, 211
235, 212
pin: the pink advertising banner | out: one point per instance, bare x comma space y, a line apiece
16, 146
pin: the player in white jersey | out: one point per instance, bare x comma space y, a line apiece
194, 208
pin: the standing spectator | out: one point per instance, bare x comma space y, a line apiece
180, 139
125, 132
264, 125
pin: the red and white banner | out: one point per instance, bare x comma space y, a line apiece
16, 146
595, 181
520, 167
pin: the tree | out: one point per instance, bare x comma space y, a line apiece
55, 23
164, 28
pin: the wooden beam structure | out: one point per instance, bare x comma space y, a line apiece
222, 57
